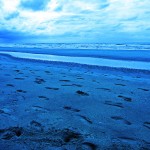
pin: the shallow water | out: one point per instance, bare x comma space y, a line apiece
82, 60
138, 53
58, 106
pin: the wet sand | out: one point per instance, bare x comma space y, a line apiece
53, 106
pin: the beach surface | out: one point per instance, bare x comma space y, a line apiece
50, 105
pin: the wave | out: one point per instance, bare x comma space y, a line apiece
98, 46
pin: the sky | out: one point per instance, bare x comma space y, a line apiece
75, 21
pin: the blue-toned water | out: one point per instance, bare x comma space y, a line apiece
110, 51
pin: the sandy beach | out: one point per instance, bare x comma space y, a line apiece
65, 106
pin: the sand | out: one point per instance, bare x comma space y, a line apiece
63, 106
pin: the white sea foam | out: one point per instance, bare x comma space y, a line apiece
97, 46
83, 60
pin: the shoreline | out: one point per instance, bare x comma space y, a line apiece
131, 55
135, 65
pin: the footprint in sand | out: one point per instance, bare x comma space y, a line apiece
143, 89
21, 91
119, 118
47, 72
138, 77
19, 78
80, 78
35, 133
82, 93
36, 125
51, 88
129, 139
86, 119
120, 105
10, 85
146, 124
105, 89
120, 84
3, 112
66, 85
39, 80
39, 109
43, 97
17, 70
76, 85
120, 80
128, 99
89, 146
71, 109
7, 134
64, 80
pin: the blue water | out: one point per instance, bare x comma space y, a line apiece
136, 52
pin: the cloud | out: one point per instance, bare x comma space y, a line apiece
34, 5
12, 15
78, 20
11, 36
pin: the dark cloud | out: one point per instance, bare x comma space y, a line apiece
25, 20
11, 36
7, 36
